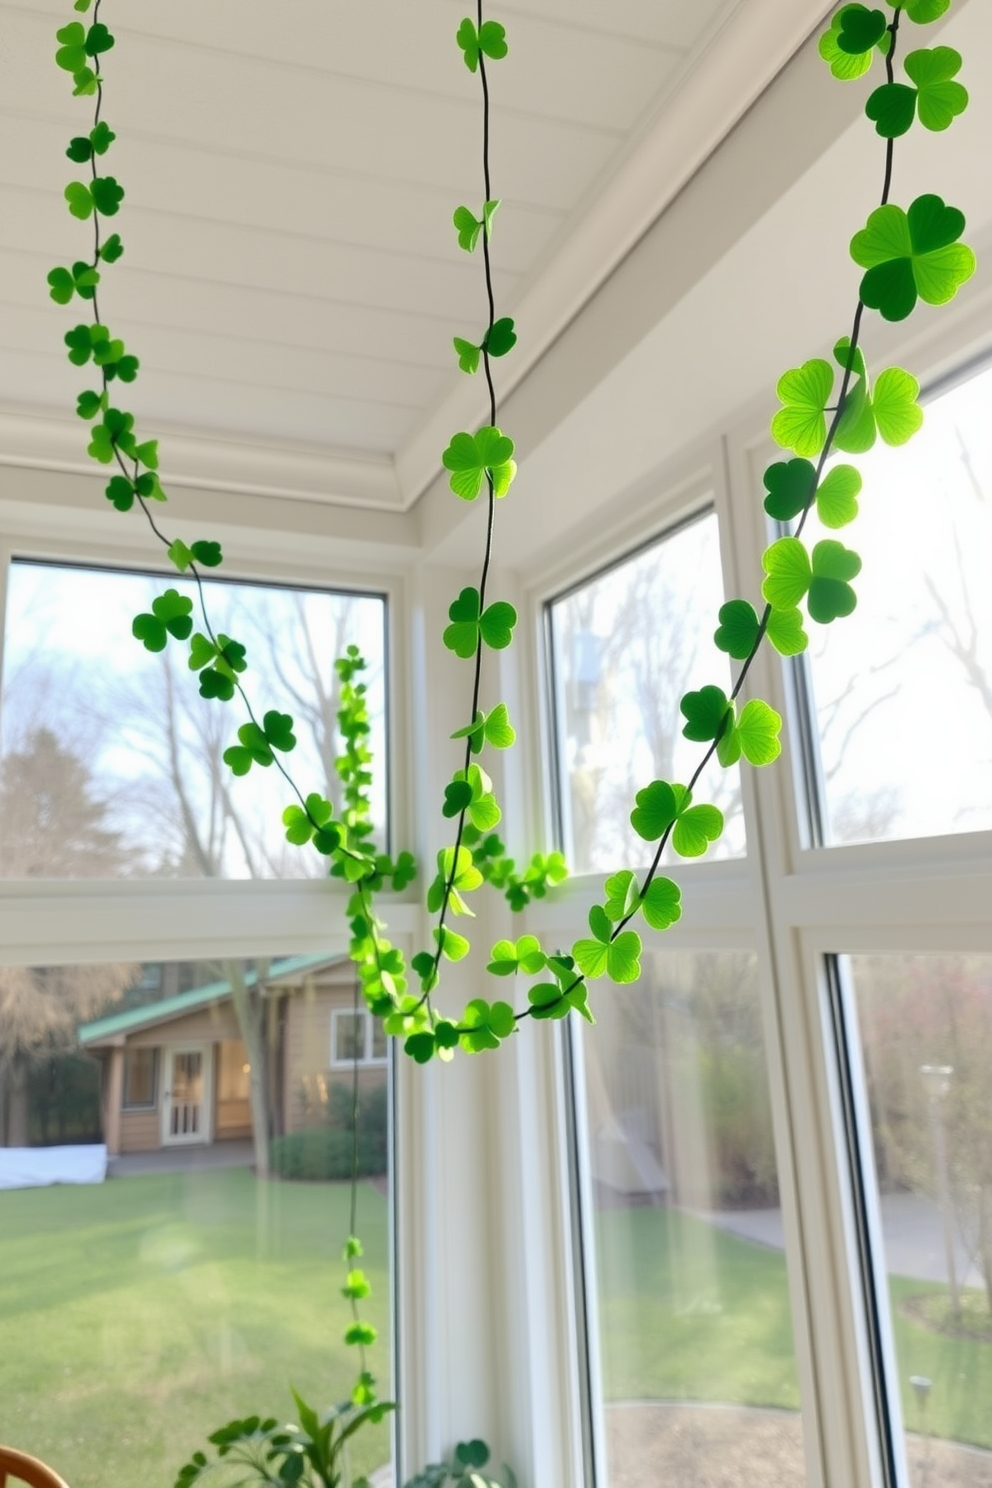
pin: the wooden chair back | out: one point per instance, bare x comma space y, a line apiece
18, 1467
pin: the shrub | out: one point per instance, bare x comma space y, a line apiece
320, 1154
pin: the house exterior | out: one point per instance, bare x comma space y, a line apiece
176, 1072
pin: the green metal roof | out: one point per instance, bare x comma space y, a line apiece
187, 1002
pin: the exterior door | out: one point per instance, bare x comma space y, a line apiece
186, 1096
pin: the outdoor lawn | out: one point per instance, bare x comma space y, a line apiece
689, 1312
139, 1315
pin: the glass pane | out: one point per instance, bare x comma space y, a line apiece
926, 1035
112, 761
695, 1337
903, 686
626, 647
150, 1296
139, 1077
349, 1037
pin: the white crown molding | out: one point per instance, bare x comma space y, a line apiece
36, 439
734, 69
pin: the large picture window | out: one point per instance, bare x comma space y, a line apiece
903, 697
625, 646
112, 762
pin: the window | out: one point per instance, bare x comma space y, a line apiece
191, 1285
356, 1035
693, 1359
625, 646
140, 1071
917, 667
112, 762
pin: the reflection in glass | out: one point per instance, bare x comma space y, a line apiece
626, 647
695, 1338
141, 1310
112, 762
925, 1025
904, 686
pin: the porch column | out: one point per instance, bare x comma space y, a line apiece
113, 1094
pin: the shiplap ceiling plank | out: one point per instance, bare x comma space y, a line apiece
291, 274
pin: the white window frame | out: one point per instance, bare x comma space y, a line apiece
366, 1060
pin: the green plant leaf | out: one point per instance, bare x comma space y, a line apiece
897, 413
801, 424
830, 593
121, 493
462, 635
924, 11
501, 338
836, 496
468, 227
468, 355
757, 730
860, 29
207, 553
789, 484
738, 629
911, 255
468, 39
661, 904
655, 810
695, 829
496, 624
499, 731
98, 39
71, 55
704, 712
621, 895
787, 566
61, 286
457, 796
180, 555
492, 40
892, 109
278, 730
80, 200
785, 631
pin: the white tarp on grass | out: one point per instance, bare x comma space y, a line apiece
34, 1167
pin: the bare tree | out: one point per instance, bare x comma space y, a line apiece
50, 823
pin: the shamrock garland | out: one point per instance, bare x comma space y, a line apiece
907, 254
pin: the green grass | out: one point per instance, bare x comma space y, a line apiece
688, 1312
137, 1316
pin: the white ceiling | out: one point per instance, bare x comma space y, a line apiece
291, 279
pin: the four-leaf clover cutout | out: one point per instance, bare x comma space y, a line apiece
912, 255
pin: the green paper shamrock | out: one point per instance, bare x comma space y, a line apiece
170, 615
489, 40
789, 484
494, 625
473, 457
467, 353
500, 338
754, 735
836, 496
860, 29
655, 810
785, 631
910, 255
622, 895
112, 249
738, 629
936, 98
695, 826
847, 65
805, 391
705, 712
468, 227
924, 11
618, 958
822, 577
661, 903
